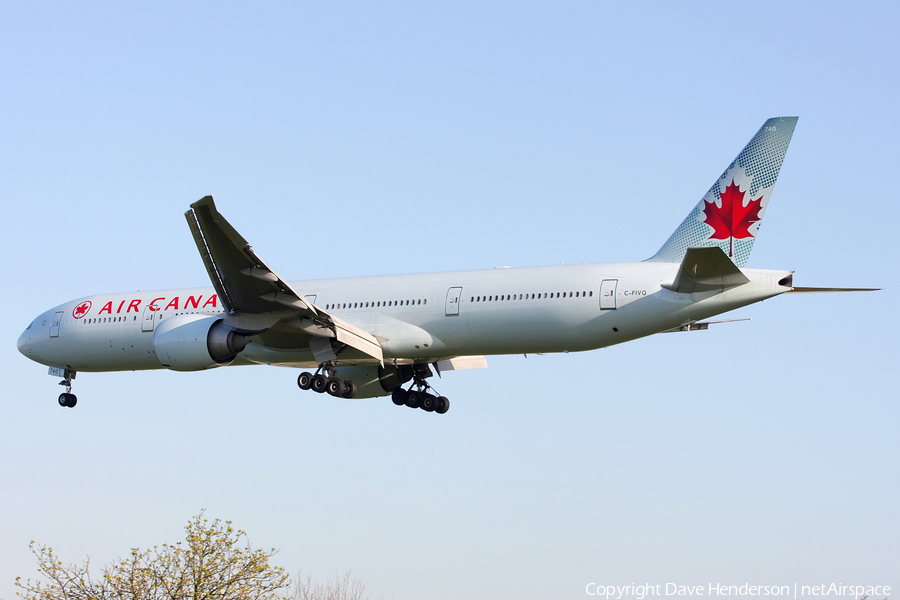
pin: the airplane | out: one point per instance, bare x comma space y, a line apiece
366, 337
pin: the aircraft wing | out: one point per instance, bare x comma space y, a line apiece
257, 301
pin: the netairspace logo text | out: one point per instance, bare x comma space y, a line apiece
640, 592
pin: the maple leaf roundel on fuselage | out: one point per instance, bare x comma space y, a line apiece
733, 219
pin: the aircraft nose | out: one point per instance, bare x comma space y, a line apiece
24, 342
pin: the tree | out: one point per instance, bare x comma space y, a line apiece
215, 562
342, 588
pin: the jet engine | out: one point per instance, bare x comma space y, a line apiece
196, 342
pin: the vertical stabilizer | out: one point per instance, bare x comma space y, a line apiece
729, 214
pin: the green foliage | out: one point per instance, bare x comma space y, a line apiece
215, 562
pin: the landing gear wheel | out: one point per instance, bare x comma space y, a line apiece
318, 383
398, 396
349, 389
67, 400
441, 405
413, 399
304, 381
334, 386
427, 402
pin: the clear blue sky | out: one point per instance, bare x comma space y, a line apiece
350, 139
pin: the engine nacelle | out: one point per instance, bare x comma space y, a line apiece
196, 343
376, 381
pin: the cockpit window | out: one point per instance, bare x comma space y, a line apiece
29, 326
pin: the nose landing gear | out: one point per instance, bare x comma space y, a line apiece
67, 399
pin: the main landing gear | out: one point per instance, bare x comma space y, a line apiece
420, 398
418, 394
67, 399
326, 381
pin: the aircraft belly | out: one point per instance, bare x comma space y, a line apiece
516, 330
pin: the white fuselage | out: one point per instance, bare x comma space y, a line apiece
415, 318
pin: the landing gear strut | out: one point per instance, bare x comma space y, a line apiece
326, 379
67, 399
418, 394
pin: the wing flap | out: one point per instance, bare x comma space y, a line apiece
459, 363
357, 338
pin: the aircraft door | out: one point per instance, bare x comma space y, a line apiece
451, 308
608, 294
54, 324
148, 321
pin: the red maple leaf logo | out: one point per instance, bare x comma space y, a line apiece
734, 219
82, 309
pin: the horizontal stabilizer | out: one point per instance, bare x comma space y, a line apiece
814, 290
700, 325
705, 269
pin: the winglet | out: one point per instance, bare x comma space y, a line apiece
705, 269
